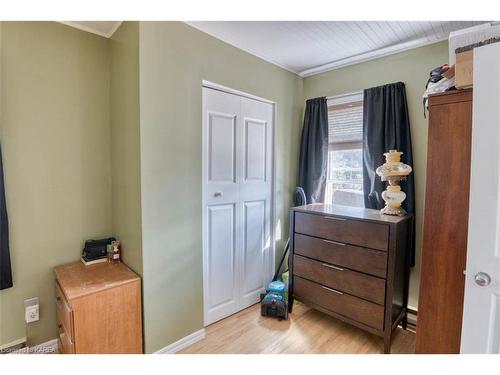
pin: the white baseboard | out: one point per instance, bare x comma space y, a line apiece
183, 343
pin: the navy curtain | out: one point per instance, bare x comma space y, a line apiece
386, 126
5, 269
314, 150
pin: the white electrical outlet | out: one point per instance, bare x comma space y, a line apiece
31, 310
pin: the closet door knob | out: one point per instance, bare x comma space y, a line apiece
482, 279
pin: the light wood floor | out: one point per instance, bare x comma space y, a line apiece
306, 331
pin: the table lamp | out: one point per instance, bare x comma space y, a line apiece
393, 171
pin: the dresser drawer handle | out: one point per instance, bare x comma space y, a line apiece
59, 302
332, 266
334, 218
334, 242
331, 290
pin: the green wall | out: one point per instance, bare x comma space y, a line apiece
174, 59
412, 67
72, 118
55, 136
125, 144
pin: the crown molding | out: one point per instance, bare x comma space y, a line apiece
368, 56
77, 25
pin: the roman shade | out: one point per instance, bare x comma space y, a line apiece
345, 125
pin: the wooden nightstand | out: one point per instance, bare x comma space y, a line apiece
98, 308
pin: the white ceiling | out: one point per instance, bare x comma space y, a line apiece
310, 47
102, 28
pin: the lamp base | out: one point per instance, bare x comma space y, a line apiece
394, 211
393, 197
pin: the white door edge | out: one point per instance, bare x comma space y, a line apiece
481, 310
272, 261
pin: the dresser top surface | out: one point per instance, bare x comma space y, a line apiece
77, 279
350, 212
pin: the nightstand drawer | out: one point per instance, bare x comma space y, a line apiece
355, 283
354, 232
64, 312
373, 262
66, 346
346, 305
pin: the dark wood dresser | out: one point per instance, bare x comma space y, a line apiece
446, 218
351, 263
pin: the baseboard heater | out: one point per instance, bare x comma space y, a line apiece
17, 346
411, 319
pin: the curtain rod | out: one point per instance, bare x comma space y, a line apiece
360, 92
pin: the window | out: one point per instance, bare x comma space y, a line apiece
344, 184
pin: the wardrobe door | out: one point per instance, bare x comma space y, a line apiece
445, 223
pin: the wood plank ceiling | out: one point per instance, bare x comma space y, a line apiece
310, 47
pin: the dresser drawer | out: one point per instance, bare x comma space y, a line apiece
361, 259
353, 232
358, 284
66, 346
64, 312
351, 307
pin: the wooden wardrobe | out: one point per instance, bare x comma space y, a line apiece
444, 247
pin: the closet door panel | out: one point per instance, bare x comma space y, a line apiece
255, 195
221, 207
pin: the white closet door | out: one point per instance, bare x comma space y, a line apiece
221, 114
237, 183
255, 198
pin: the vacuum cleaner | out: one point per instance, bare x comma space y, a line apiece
274, 302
